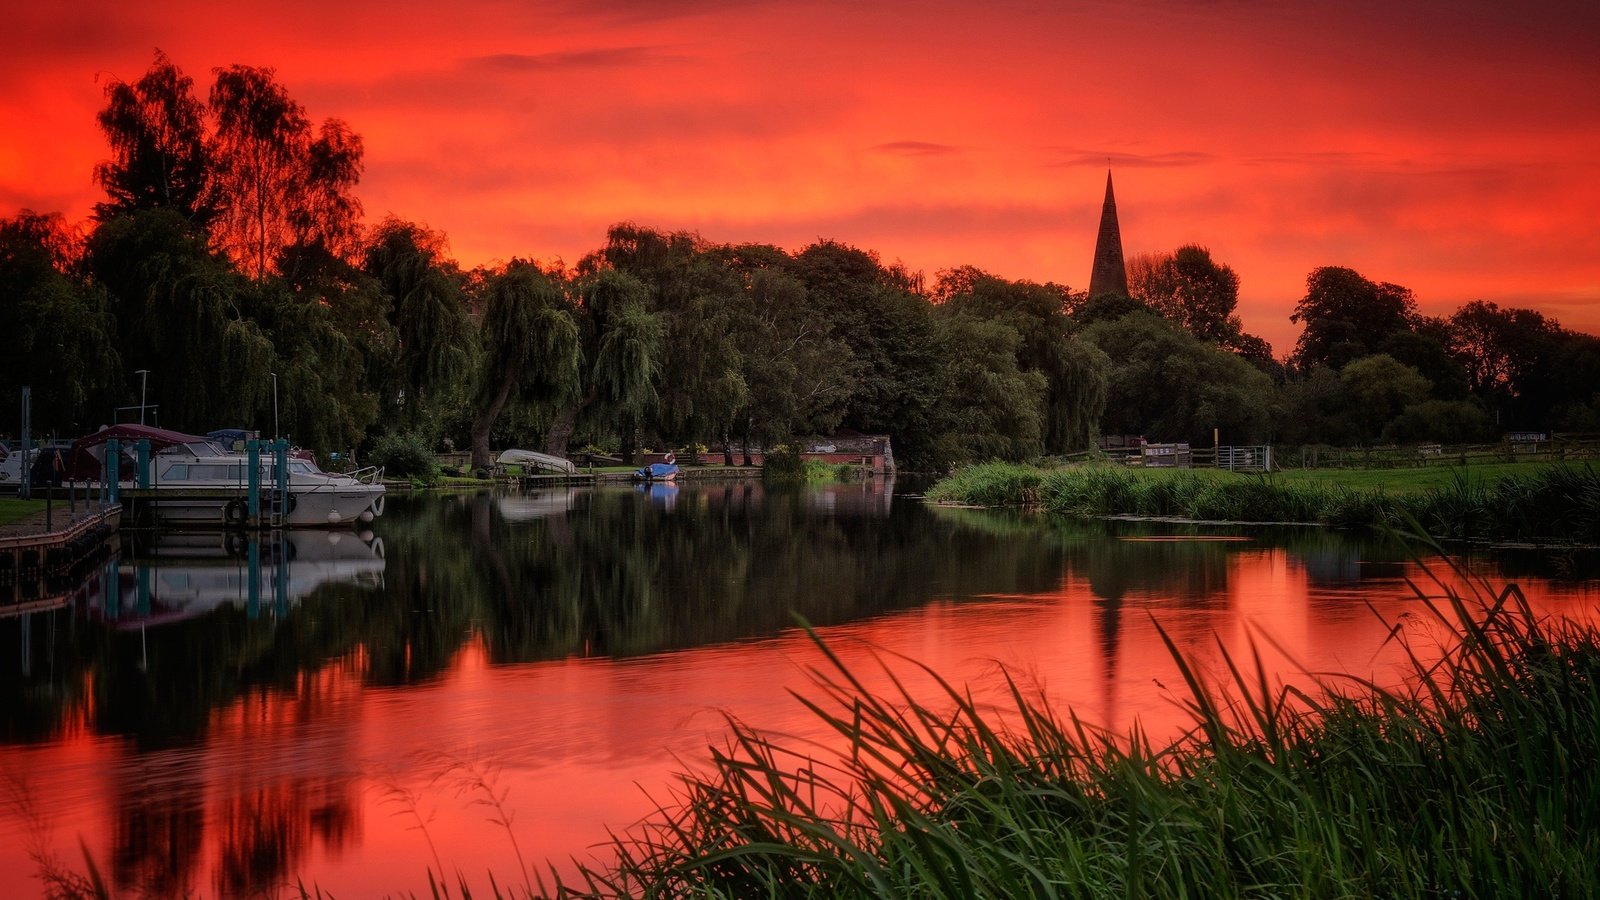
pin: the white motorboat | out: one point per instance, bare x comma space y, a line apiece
186, 574
196, 473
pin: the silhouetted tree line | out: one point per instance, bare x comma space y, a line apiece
231, 248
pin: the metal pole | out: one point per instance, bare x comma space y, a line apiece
24, 486
274, 405
144, 378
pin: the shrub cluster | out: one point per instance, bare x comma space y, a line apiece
404, 455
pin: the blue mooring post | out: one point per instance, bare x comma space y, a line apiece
111, 483
253, 576
142, 452
280, 458
280, 588
253, 481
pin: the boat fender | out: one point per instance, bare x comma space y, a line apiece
293, 502
234, 512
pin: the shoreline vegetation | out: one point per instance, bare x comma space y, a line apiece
1546, 503
1479, 777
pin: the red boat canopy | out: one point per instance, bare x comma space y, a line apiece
85, 465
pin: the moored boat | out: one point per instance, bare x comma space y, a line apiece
195, 482
666, 470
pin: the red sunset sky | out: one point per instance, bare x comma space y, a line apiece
1452, 147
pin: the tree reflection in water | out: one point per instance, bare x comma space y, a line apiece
217, 683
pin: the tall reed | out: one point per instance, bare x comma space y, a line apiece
1479, 777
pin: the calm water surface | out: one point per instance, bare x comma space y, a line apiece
220, 717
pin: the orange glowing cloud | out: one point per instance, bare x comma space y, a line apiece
1446, 147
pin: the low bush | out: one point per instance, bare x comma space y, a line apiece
404, 455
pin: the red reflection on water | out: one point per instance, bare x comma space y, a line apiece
355, 788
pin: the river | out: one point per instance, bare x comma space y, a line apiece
485, 676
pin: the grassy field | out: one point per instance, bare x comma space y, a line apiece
14, 510
1405, 481
1544, 502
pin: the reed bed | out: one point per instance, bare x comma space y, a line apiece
1480, 777
1558, 503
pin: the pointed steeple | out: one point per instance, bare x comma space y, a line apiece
1109, 275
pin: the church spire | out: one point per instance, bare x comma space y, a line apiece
1109, 275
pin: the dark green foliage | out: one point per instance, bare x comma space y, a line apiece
1074, 373
530, 345
156, 129
1440, 421
1347, 317
783, 464
1378, 387
60, 336
183, 314
1560, 504
403, 455
1168, 385
990, 484
426, 307
990, 409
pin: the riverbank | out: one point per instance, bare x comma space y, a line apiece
1533, 502
1479, 777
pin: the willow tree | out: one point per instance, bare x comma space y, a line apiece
182, 314
59, 336
622, 346
427, 309
530, 345
1074, 373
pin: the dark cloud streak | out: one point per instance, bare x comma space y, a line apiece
598, 58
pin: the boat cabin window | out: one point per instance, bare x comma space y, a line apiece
215, 472
302, 468
178, 472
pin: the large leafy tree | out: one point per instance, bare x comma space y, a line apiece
277, 184
693, 292
156, 129
1168, 385
874, 311
1498, 347
60, 336
1073, 373
1380, 387
184, 315
325, 398
1346, 317
796, 374
621, 348
991, 408
425, 305
1190, 288
531, 348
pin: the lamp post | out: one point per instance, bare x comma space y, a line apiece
274, 404
144, 378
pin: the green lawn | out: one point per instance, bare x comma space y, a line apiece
13, 510
1411, 481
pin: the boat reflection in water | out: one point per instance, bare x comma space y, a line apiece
172, 576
